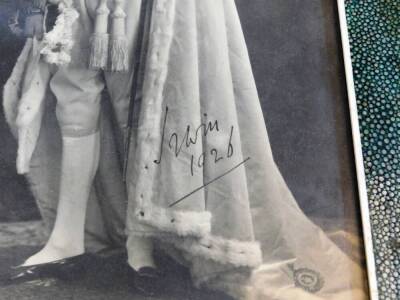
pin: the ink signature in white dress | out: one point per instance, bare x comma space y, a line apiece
178, 144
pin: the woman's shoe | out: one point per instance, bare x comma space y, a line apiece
64, 269
148, 281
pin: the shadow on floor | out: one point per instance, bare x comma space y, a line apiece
105, 278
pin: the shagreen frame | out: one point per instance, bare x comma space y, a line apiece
358, 156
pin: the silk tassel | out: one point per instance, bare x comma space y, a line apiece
99, 43
119, 44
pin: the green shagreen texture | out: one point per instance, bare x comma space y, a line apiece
374, 27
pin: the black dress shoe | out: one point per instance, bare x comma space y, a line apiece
148, 281
64, 269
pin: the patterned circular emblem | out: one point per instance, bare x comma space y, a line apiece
308, 279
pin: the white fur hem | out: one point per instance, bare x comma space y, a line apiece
12, 89
225, 251
181, 223
191, 231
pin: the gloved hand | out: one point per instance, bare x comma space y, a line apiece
41, 4
34, 26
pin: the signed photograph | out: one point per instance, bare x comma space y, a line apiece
177, 149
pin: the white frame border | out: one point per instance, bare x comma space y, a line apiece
362, 188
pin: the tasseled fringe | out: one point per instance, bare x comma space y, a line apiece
99, 51
119, 54
119, 44
99, 44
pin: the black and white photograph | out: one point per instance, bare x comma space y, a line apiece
178, 149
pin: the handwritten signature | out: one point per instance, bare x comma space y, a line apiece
178, 144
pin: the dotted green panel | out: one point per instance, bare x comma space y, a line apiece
374, 28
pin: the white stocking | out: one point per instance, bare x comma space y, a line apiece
140, 252
79, 165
